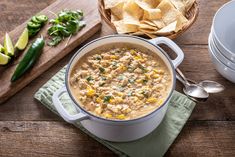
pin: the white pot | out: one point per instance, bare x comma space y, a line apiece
120, 130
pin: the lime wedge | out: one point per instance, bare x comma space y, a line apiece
9, 49
23, 40
2, 49
4, 59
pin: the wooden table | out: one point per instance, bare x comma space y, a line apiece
29, 129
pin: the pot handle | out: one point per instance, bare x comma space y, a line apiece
63, 112
168, 42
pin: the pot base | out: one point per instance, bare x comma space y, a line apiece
124, 132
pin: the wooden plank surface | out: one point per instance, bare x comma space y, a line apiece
210, 131
48, 139
50, 55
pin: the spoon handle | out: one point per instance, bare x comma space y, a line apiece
182, 76
180, 79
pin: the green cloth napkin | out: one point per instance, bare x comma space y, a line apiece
153, 145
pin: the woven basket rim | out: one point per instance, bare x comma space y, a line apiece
191, 15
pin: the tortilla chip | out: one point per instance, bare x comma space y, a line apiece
146, 26
133, 9
148, 4
129, 19
148, 22
181, 21
149, 31
111, 3
152, 14
121, 27
179, 5
159, 23
169, 28
132, 12
174, 26
151, 35
169, 13
118, 10
137, 33
188, 4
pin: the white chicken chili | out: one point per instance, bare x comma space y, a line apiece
120, 81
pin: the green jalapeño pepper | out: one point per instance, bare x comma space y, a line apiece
29, 59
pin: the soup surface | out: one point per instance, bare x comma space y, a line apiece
120, 81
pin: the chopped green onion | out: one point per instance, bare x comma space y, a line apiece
145, 81
107, 98
145, 93
143, 68
131, 80
89, 78
102, 70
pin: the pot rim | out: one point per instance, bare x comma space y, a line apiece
112, 120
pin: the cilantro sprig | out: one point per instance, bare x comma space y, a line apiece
66, 24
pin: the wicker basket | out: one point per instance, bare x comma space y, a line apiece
191, 15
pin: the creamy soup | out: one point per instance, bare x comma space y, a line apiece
120, 82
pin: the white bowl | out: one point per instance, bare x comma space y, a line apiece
223, 29
224, 70
219, 55
228, 54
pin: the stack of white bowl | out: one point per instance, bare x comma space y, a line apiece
222, 41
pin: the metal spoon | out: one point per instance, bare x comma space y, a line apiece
197, 88
210, 86
193, 91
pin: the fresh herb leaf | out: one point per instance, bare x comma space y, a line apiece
145, 81
54, 21
102, 70
143, 68
55, 40
107, 98
145, 93
114, 64
72, 26
89, 78
66, 23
